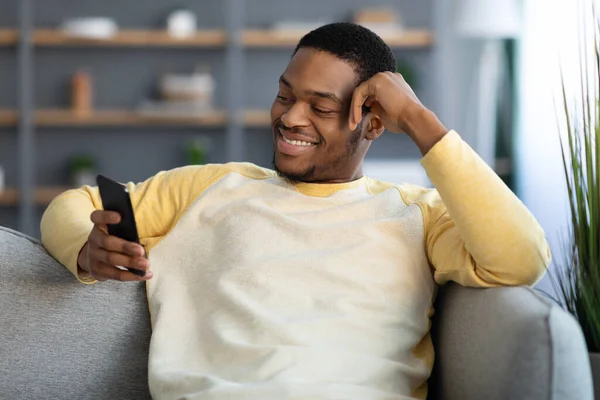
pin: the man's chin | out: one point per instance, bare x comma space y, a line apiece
290, 170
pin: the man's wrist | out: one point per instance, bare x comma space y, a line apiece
81, 271
424, 128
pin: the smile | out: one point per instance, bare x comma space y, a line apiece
293, 145
296, 142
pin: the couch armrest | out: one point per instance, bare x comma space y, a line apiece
61, 339
506, 343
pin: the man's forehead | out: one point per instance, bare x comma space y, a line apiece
314, 70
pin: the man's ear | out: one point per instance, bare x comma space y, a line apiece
373, 127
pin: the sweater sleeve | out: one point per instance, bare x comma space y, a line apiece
158, 204
478, 233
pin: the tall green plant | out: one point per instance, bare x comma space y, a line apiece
578, 282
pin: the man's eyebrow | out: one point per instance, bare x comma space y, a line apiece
285, 82
325, 95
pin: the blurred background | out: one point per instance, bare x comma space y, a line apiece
127, 88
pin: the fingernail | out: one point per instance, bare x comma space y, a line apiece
137, 250
148, 275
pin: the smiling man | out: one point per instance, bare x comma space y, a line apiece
312, 281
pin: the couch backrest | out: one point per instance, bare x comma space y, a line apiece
58, 337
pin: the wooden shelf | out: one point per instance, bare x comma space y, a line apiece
257, 118
43, 195
8, 37
269, 38
67, 118
132, 38
204, 38
8, 118
52, 118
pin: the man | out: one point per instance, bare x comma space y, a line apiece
314, 281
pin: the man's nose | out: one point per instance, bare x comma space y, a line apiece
296, 115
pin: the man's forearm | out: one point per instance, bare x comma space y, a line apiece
498, 231
65, 227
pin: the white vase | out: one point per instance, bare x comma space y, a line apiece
83, 178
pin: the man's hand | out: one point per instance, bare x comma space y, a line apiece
395, 103
102, 253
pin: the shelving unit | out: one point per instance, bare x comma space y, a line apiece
231, 37
124, 118
264, 38
8, 118
132, 38
257, 118
43, 195
8, 37
269, 38
66, 118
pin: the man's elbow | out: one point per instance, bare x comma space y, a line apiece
527, 268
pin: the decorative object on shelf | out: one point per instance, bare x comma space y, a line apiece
183, 95
81, 94
197, 151
1, 178
182, 23
408, 73
99, 28
82, 170
296, 28
382, 21
494, 22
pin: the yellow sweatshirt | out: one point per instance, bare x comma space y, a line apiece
264, 289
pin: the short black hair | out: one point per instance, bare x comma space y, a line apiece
359, 46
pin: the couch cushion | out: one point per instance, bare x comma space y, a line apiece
61, 339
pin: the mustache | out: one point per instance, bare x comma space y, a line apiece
280, 125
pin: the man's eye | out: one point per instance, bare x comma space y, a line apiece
321, 111
283, 99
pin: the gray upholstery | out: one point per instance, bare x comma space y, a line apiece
507, 343
60, 339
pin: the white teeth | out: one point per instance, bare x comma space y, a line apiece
297, 142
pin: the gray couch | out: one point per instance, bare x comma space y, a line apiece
64, 340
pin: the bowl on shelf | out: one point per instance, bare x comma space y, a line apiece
90, 28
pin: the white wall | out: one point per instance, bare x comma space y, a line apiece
549, 34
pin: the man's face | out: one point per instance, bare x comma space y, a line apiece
310, 120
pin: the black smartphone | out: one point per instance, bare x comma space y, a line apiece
116, 198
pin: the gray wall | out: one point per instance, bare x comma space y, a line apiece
122, 77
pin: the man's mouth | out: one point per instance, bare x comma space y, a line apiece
294, 144
294, 140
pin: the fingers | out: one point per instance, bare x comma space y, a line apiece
103, 272
119, 259
360, 95
107, 255
101, 240
101, 217
377, 109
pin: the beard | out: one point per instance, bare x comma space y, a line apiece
310, 174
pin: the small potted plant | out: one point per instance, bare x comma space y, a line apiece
82, 170
197, 151
408, 73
